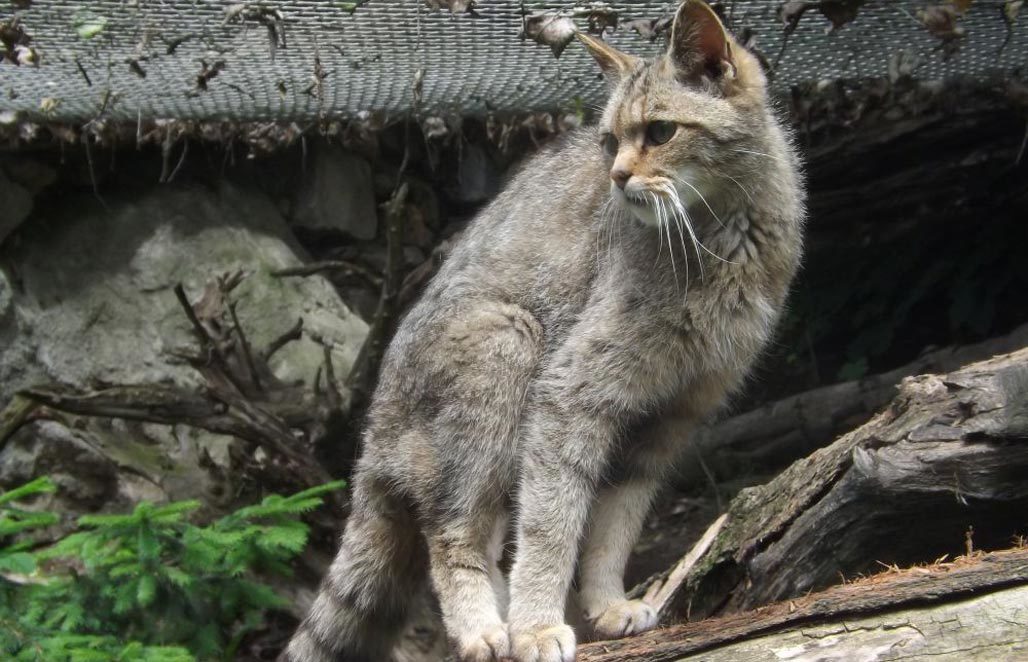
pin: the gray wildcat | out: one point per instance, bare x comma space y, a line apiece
608, 300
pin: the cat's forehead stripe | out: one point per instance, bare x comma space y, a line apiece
634, 97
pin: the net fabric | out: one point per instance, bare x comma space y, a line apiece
334, 59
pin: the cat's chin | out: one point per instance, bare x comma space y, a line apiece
642, 213
637, 209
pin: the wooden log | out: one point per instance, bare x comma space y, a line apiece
970, 609
781, 432
948, 453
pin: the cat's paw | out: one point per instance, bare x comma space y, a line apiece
489, 645
554, 643
624, 618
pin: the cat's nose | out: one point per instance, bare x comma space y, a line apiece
620, 176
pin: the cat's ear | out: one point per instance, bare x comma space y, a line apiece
614, 63
699, 43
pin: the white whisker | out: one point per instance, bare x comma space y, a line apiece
676, 202
664, 220
610, 228
688, 224
736, 181
707, 204
685, 251
660, 237
750, 151
687, 221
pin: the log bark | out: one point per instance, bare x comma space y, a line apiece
949, 452
973, 608
781, 432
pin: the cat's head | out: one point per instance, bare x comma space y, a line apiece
673, 128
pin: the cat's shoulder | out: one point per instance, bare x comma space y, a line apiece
575, 149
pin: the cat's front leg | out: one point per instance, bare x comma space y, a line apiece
615, 523
558, 479
617, 519
599, 380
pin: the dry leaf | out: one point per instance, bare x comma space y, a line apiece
790, 13
13, 35
1011, 9
550, 29
649, 28
208, 72
48, 105
434, 128
455, 6
135, 67
418, 85
961, 5
839, 12
599, 16
941, 21
26, 55
270, 17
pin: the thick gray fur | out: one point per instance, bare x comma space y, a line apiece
548, 378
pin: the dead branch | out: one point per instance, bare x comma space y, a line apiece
361, 379
241, 395
414, 281
660, 593
294, 333
251, 366
331, 266
17, 413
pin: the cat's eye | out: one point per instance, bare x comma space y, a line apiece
610, 144
659, 132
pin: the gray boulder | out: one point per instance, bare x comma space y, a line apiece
86, 298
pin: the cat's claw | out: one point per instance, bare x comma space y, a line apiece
624, 618
491, 645
554, 643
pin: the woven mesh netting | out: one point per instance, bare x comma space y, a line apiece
126, 59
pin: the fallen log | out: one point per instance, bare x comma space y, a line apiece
973, 607
949, 452
779, 433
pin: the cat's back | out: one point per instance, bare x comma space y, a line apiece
514, 282
534, 245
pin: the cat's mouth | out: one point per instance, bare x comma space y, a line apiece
630, 196
638, 204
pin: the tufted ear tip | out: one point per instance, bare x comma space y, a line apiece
613, 62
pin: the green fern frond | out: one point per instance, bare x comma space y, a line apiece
18, 522
146, 591
134, 582
38, 486
18, 563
